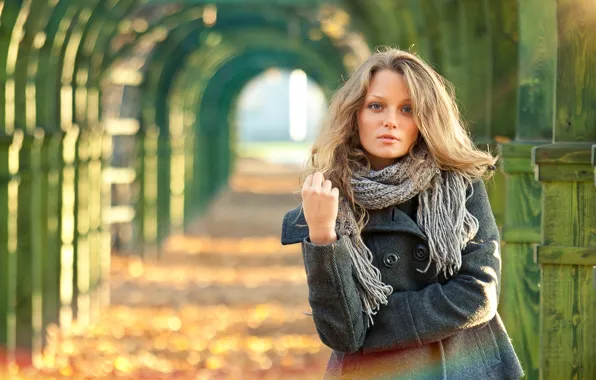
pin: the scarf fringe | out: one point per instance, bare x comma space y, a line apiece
445, 206
373, 292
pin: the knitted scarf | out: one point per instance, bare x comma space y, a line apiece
441, 215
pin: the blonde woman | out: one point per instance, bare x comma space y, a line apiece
399, 242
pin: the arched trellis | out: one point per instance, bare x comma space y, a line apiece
238, 17
212, 127
221, 91
183, 26
162, 71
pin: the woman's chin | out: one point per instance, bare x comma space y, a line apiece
393, 155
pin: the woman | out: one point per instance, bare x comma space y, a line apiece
400, 246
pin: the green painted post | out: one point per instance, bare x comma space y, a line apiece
201, 183
164, 151
182, 101
28, 306
225, 147
457, 31
594, 165
67, 224
146, 205
233, 132
8, 18
94, 217
504, 26
86, 113
219, 152
105, 228
520, 291
51, 213
81, 264
452, 36
10, 146
189, 171
177, 166
477, 43
566, 254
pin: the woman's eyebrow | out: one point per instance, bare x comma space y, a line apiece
380, 97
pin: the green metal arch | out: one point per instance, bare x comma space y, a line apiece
231, 42
26, 67
67, 99
208, 134
229, 18
50, 68
234, 74
80, 80
208, 64
8, 20
100, 48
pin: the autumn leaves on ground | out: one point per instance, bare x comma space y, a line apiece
227, 301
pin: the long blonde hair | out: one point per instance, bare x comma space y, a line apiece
337, 150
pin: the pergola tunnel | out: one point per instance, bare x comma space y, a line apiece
122, 120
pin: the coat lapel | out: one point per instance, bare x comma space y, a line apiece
393, 219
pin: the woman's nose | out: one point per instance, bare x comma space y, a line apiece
390, 123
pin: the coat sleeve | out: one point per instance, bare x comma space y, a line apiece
333, 296
468, 299
332, 293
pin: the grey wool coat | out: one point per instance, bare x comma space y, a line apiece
433, 327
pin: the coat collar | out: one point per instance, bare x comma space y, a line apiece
390, 219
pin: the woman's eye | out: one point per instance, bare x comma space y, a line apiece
407, 109
375, 106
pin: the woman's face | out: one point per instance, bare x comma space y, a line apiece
385, 121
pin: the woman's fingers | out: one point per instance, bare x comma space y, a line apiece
335, 192
316, 184
317, 181
307, 182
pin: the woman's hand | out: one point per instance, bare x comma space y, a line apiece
320, 201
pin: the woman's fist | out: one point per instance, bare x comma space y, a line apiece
320, 201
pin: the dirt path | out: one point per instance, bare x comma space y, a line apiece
225, 302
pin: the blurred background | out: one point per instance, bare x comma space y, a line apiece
150, 148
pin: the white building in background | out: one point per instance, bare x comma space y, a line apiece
280, 106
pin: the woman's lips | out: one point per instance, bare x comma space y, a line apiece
388, 139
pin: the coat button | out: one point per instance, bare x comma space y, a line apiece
421, 252
390, 260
